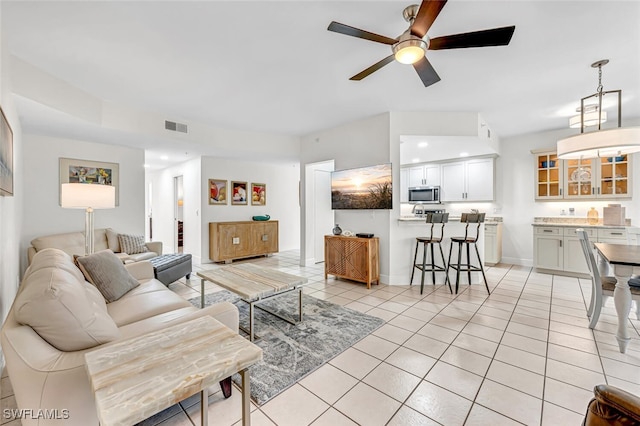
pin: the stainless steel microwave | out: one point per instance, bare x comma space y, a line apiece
424, 195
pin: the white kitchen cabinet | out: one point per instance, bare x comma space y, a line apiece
470, 180
581, 179
424, 175
557, 248
492, 243
547, 248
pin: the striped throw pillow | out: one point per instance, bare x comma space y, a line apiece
132, 244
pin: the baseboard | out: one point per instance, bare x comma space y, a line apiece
517, 261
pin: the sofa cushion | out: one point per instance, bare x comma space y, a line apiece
59, 305
132, 244
149, 299
71, 242
105, 270
141, 256
112, 240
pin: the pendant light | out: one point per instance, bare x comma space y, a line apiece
600, 143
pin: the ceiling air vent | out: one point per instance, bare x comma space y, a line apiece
175, 127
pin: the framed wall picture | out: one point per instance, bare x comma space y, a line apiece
239, 193
73, 170
6, 156
217, 192
258, 194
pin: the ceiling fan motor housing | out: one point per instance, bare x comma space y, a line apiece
407, 42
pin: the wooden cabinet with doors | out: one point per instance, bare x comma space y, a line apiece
353, 258
237, 240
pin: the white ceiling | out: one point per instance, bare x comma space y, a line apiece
271, 66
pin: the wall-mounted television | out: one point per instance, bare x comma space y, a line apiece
362, 188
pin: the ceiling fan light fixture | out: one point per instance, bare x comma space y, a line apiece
409, 51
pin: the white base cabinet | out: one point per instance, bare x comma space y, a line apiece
557, 248
492, 243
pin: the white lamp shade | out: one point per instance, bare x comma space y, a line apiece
590, 119
84, 195
602, 143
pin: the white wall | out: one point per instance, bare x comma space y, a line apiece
10, 207
282, 182
517, 187
282, 201
360, 143
42, 212
163, 208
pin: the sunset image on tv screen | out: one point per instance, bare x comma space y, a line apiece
362, 188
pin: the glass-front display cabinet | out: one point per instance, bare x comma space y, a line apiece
549, 176
579, 178
614, 177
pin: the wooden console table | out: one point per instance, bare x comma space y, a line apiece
237, 240
139, 377
353, 258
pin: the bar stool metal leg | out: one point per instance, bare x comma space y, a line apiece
445, 266
413, 266
484, 277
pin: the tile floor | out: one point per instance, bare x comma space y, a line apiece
523, 355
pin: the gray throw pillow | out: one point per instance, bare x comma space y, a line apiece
105, 270
132, 244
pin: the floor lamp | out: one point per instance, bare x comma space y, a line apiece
89, 197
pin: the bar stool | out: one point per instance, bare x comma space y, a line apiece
429, 242
466, 241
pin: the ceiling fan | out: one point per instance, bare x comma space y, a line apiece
411, 46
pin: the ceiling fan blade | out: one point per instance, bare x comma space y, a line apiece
427, 73
337, 27
373, 68
428, 12
492, 37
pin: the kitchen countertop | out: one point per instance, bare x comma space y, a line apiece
489, 220
565, 221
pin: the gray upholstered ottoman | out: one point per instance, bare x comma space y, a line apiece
170, 267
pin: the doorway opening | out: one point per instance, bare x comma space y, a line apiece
178, 191
320, 217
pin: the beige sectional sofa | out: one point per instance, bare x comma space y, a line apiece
57, 317
73, 243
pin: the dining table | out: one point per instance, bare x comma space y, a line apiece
623, 258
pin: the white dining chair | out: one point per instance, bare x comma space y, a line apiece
601, 285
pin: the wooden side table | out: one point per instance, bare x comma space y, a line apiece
354, 258
139, 377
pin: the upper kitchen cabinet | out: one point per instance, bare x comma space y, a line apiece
586, 178
424, 175
548, 176
614, 178
470, 180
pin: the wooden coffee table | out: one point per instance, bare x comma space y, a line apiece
254, 285
139, 377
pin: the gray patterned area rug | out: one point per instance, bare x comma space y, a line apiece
290, 352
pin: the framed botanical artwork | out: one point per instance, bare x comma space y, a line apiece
73, 170
217, 192
239, 193
6, 156
258, 194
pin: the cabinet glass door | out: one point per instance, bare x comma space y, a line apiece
614, 176
548, 179
579, 175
